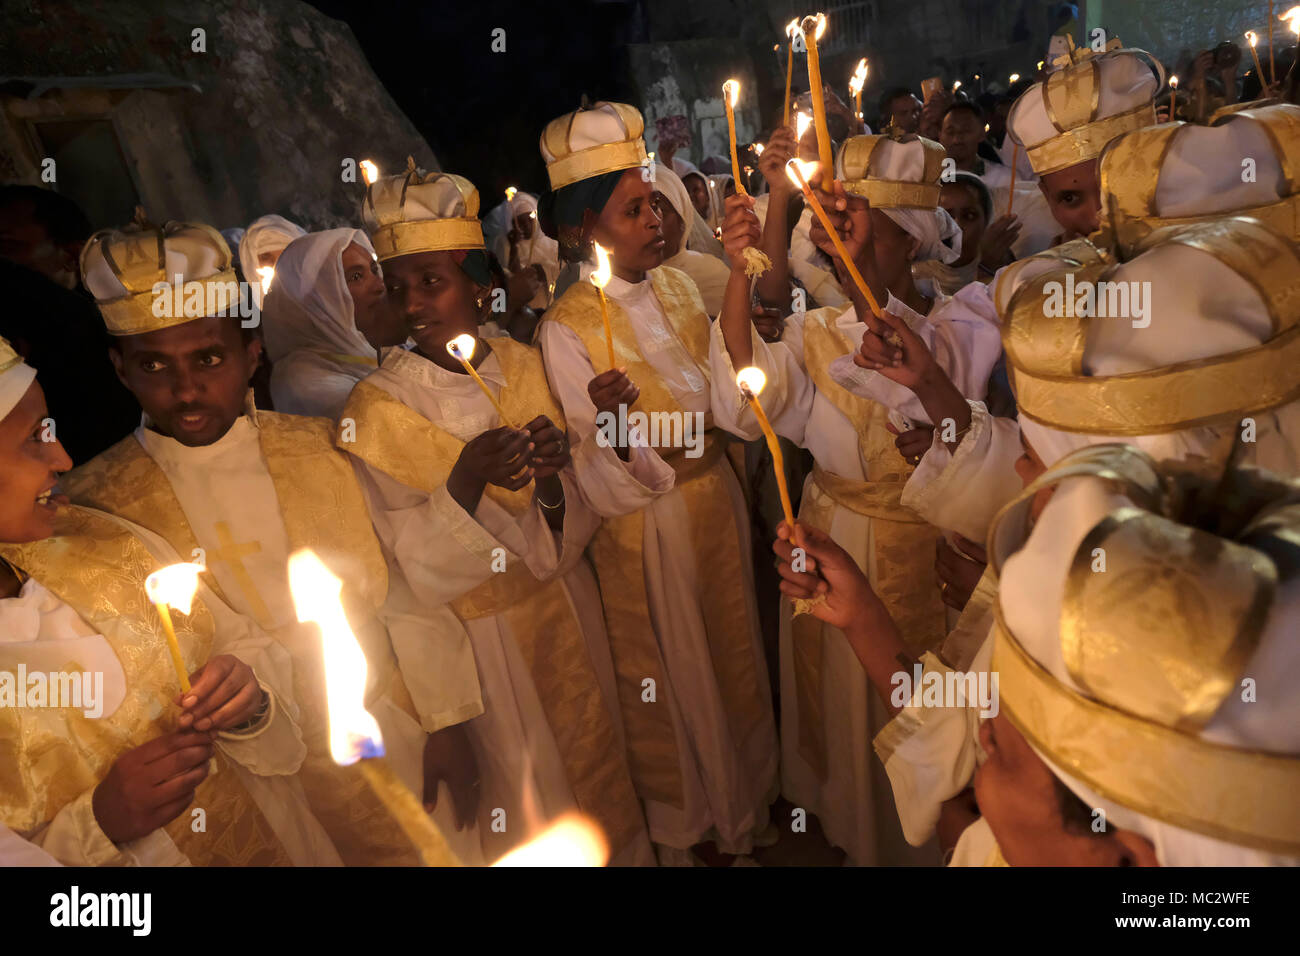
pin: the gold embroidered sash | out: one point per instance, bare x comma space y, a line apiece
324, 509
52, 756
901, 567
617, 550
409, 447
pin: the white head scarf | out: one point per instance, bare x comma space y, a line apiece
309, 306
267, 234
698, 237
540, 250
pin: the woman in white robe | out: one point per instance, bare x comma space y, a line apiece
325, 321
260, 248
673, 555
506, 555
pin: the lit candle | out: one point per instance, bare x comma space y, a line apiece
369, 171
174, 587
1173, 90
571, 841
1014, 77
730, 93
801, 124
813, 27
791, 29
956, 86
751, 381
1293, 15
856, 82
1272, 69
1252, 39
353, 733
600, 278
266, 274
798, 171
462, 349
510, 193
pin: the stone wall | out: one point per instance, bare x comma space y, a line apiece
284, 94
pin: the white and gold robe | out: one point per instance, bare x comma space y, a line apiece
673, 559
550, 739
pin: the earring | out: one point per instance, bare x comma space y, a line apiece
479, 303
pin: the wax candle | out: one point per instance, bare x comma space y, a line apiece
1252, 39
462, 349
751, 381
353, 733
856, 82
600, 278
791, 29
813, 27
174, 587
730, 93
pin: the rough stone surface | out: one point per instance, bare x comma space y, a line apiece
286, 96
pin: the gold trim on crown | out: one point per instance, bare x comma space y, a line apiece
1045, 353
1071, 98
853, 169
570, 166
138, 260
1134, 739
426, 235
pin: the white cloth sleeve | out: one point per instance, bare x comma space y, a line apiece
74, 838
787, 398
609, 486
963, 490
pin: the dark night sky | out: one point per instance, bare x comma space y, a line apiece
482, 112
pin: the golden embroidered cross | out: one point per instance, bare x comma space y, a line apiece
230, 554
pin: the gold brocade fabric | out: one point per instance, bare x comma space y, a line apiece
854, 170
1086, 142
1159, 638
409, 447
1045, 354
52, 756
901, 567
617, 549
428, 235
323, 509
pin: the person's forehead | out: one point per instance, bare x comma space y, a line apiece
416, 263
180, 339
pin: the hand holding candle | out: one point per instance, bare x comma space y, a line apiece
174, 587
462, 349
798, 171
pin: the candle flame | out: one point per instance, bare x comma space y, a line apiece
818, 26
1040, 64
353, 732
1014, 77
600, 278
267, 274
792, 28
510, 193
369, 171
731, 90
174, 585
1173, 81
801, 124
1294, 16
859, 77
573, 840
751, 380
1251, 38
800, 171
956, 86
462, 347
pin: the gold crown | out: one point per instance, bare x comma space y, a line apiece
1071, 97
392, 234
137, 258
1130, 175
1156, 663
1045, 353
566, 166
854, 170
